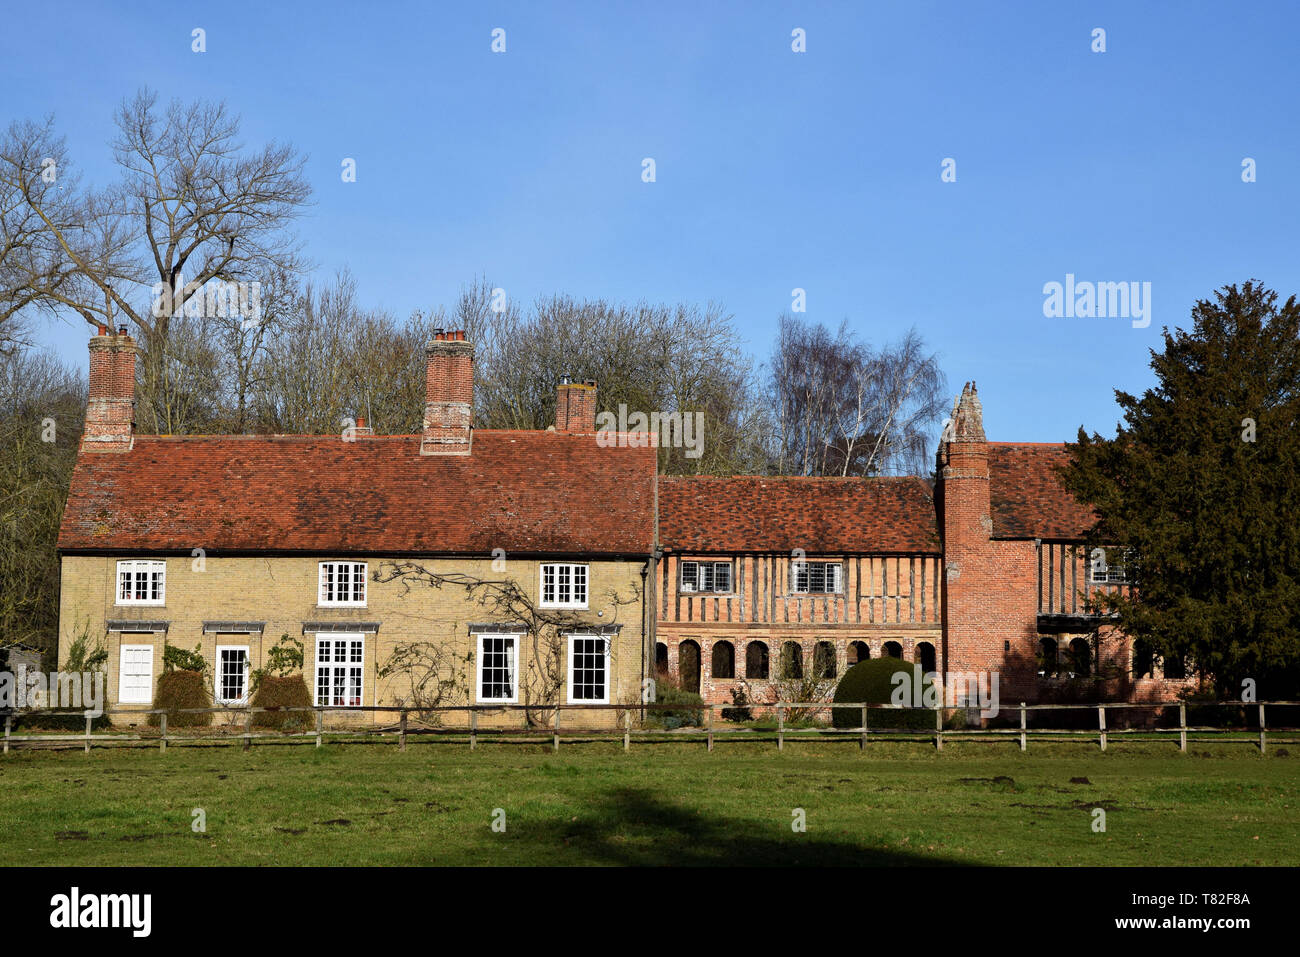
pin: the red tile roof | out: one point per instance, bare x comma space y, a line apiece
819, 515
1027, 496
525, 492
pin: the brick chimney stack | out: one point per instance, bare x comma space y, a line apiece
448, 394
575, 406
964, 468
110, 409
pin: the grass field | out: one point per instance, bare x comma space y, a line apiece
895, 804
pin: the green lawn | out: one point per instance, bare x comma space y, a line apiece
671, 803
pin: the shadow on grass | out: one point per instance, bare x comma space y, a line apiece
637, 827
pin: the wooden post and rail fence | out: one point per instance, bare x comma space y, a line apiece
429, 722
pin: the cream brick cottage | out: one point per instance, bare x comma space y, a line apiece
468, 543
525, 567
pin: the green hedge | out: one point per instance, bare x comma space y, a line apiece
872, 682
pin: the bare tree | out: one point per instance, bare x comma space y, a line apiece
192, 208
842, 408
646, 358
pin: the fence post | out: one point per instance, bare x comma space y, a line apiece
938, 728
627, 730
780, 728
1023, 740
401, 735
557, 726
89, 719
8, 718
248, 729
1101, 724
1261, 727
1182, 726
162, 724
473, 727
320, 723
710, 727
862, 745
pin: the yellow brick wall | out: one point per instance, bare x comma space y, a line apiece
283, 593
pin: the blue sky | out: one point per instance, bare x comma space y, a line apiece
775, 169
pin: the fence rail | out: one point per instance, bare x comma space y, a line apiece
707, 729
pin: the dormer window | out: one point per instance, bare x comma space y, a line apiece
706, 577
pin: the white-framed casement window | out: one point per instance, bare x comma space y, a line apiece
816, 578
564, 586
706, 576
497, 669
343, 583
141, 582
232, 674
588, 669
135, 675
339, 661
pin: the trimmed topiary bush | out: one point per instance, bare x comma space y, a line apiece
872, 682
182, 689
287, 692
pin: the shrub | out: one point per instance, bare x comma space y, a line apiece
284, 659
283, 692
872, 682
741, 711
666, 692
182, 689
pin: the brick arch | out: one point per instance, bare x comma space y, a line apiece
723, 660
689, 664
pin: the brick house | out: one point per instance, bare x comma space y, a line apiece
227, 543
983, 573
364, 546
765, 578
